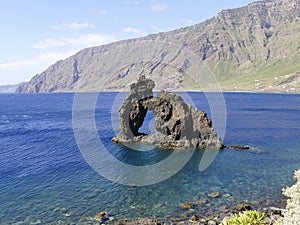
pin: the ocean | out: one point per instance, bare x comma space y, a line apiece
45, 178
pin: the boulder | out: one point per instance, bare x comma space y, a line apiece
243, 207
187, 205
194, 218
140, 221
214, 195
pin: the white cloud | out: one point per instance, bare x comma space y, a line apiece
159, 7
74, 26
188, 21
102, 12
15, 65
157, 29
80, 40
99, 12
13, 72
59, 26
81, 25
48, 58
132, 2
49, 42
134, 30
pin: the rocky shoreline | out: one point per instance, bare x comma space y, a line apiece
202, 212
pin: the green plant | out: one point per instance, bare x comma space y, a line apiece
250, 217
292, 215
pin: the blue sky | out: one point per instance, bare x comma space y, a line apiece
37, 33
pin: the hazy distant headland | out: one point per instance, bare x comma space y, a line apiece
10, 88
254, 48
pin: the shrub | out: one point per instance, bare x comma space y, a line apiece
250, 217
292, 215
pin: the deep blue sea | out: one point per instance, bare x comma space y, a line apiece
44, 178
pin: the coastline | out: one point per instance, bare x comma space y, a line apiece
200, 213
156, 91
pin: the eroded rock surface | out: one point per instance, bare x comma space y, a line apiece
178, 124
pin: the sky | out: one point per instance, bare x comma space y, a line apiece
37, 33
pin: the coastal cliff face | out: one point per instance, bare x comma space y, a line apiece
253, 48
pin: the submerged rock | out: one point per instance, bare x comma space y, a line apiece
194, 218
101, 216
187, 205
202, 201
178, 124
140, 221
239, 147
214, 194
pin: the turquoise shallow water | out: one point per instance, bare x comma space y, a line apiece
44, 178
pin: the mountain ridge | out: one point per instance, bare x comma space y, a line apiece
251, 48
9, 88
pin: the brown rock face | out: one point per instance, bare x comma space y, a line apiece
252, 48
134, 108
178, 125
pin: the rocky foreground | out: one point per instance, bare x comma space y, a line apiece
201, 213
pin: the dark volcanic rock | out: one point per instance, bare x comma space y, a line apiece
135, 107
243, 207
178, 125
238, 147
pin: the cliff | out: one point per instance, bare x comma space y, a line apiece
253, 48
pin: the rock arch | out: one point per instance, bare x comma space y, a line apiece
177, 124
